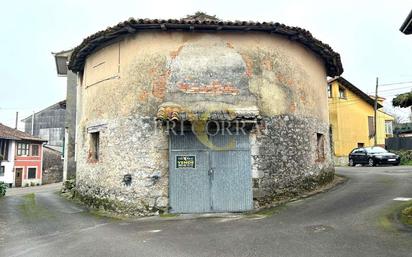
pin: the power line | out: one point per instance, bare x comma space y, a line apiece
396, 83
393, 89
14, 109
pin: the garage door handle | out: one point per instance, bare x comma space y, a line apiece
211, 172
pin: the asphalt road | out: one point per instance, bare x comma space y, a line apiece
349, 220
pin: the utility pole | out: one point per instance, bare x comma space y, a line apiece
17, 120
375, 107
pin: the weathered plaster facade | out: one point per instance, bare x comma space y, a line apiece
124, 83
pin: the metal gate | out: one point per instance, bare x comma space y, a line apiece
204, 179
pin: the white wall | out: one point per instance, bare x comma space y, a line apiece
9, 165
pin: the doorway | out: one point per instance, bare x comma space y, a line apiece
207, 178
18, 177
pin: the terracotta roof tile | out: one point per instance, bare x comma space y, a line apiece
14, 134
90, 44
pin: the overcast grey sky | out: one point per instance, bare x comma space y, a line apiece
365, 33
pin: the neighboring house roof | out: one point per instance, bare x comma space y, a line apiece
58, 149
402, 128
198, 23
407, 25
58, 105
387, 116
14, 134
355, 90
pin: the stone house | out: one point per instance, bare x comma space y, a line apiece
201, 115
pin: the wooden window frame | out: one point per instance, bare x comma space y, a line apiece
38, 150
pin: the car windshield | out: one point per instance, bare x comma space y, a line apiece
375, 150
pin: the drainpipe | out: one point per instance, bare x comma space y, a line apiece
32, 124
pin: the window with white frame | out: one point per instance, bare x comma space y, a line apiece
388, 127
22, 149
1, 171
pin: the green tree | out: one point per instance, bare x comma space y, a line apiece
403, 100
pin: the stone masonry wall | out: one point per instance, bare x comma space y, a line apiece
52, 166
133, 147
284, 158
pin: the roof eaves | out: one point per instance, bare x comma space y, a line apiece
406, 27
90, 44
355, 90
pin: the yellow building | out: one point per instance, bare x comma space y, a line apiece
351, 116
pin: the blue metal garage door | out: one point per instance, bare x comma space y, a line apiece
204, 179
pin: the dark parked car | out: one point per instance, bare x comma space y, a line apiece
372, 156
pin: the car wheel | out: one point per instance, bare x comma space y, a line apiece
371, 162
396, 164
351, 163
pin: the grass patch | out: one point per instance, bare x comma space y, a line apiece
31, 210
406, 215
100, 213
385, 222
407, 163
406, 156
267, 212
396, 216
168, 215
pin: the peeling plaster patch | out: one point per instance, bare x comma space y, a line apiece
146, 79
214, 88
208, 68
249, 65
143, 96
173, 54
276, 80
229, 44
159, 85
